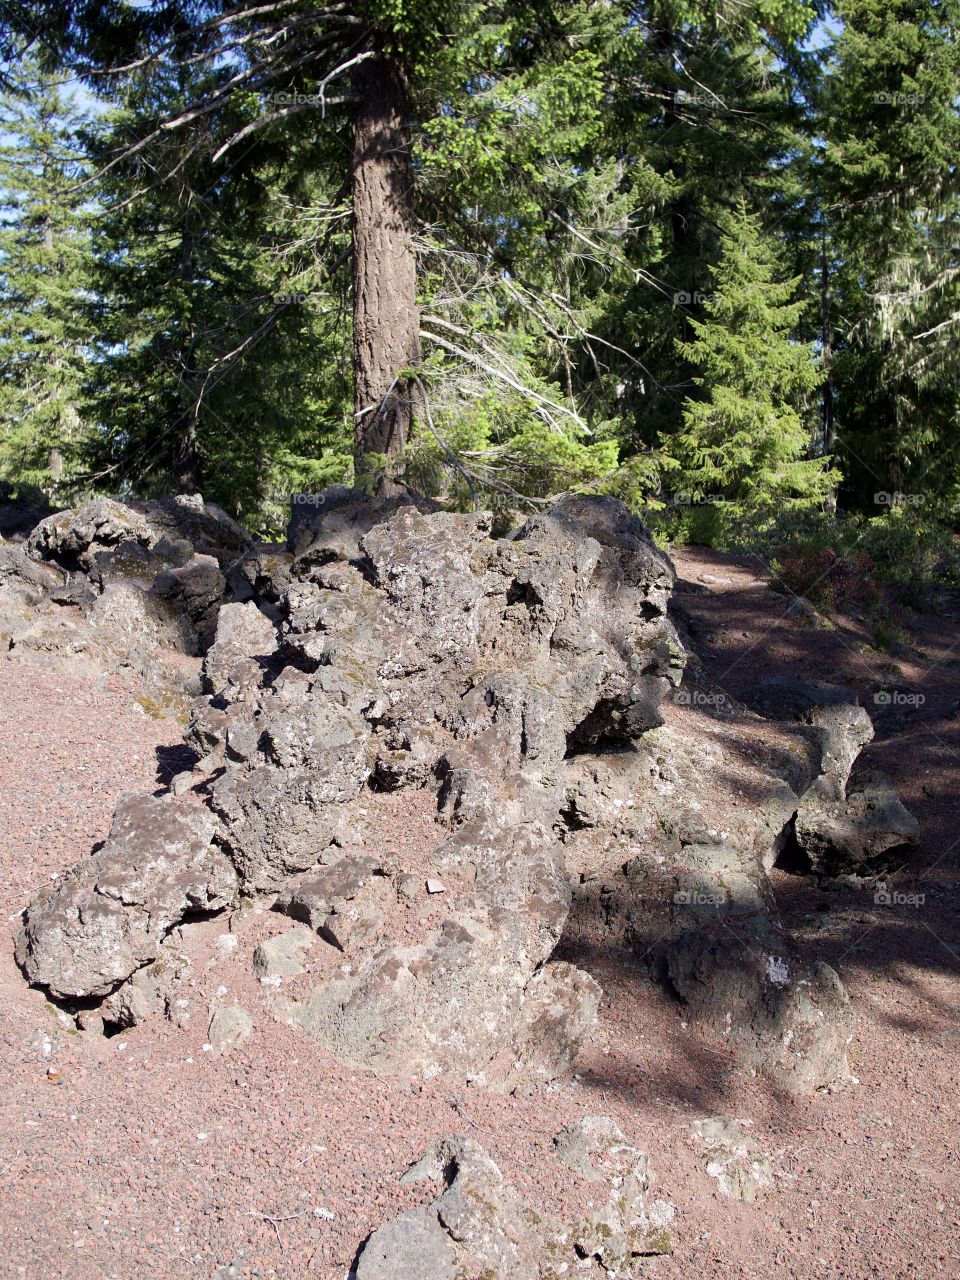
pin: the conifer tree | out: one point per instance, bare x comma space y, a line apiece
745, 438
44, 281
216, 366
891, 192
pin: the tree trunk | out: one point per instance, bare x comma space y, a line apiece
826, 338
185, 428
386, 320
188, 462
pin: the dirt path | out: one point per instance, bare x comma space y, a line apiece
154, 1159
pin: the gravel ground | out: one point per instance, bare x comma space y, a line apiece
153, 1157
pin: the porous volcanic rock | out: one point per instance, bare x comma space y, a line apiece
689, 888
743, 1171
479, 1225
110, 913
866, 831
416, 646
160, 562
521, 679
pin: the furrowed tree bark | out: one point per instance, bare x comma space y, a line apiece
826, 340
386, 319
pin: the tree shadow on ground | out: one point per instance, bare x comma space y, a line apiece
882, 952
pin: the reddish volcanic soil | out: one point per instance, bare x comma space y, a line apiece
154, 1158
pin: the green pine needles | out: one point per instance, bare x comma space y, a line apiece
743, 448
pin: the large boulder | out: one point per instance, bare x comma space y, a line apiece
864, 832
480, 663
109, 915
101, 531
203, 527
526, 681
174, 552
418, 648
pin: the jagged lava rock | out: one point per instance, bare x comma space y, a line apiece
110, 913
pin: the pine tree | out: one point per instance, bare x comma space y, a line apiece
44, 279
360, 95
705, 107
216, 366
745, 440
891, 191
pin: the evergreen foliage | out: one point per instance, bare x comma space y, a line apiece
667, 247
45, 276
743, 442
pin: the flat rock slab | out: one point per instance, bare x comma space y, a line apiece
411, 1247
229, 1027
340, 881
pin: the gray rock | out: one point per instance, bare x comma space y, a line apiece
494, 1232
867, 832
476, 1226
627, 1224
411, 1247
262, 575
327, 888
743, 981
161, 560
283, 955
229, 1027
559, 1010
586, 1146
134, 624
488, 1230
741, 1168
196, 590
109, 915
149, 991
356, 925
244, 637
521, 678
73, 538
839, 727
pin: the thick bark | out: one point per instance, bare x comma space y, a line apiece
386, 321
185, 427
826, 338
188, 462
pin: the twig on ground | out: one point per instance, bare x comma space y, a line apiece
276, 1220
458, 1108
